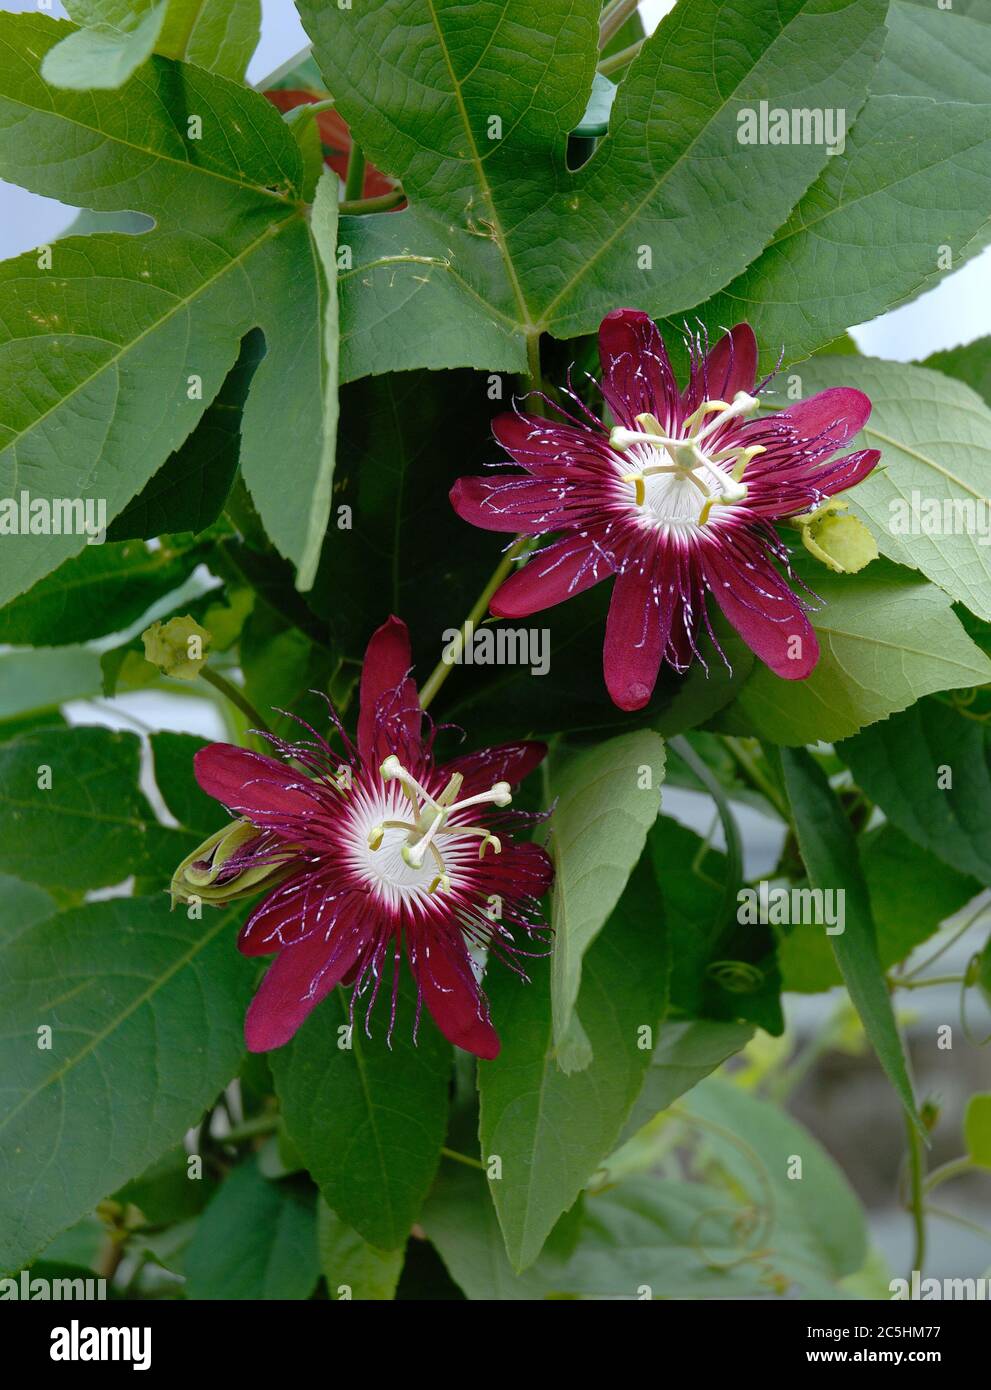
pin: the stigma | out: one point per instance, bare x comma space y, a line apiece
429, 825
715, 476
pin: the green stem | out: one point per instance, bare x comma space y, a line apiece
453, 651
898, 982
463, 1158
613, 17
954, 1169
236, 697
916, 1159
619, 60
950, 941
356, 207
755, 776
355, 181
249, 1129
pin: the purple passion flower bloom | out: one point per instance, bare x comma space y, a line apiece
380, 852
677, 501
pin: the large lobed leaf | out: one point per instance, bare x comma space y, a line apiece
112, 355
472, 110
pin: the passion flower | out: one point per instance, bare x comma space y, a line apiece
677, 501
382, 853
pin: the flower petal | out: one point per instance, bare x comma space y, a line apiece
762, 608
553, 574
300, 977
389, 718
636, 634
636, 373
825, 422
521, 870
249, 784
513, 502
731, 366
507, 762
302, 905
442, 969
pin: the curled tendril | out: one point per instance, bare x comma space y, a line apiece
736, 976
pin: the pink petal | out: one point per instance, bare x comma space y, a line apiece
512, 502
543, 446
298, 980
552, 575
731, 366
249, 784
636, 635
507, 762
636, 373
442, 970
764, 611
294, 910
389, 718
827, 420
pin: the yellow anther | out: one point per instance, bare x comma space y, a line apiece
376, 836
441, 882
638, 486
492, 840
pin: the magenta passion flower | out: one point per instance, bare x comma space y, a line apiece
678, 500
380, 852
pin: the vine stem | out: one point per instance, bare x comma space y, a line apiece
619, 60
236, 697
954, 1169
900, 982
382, 202
917, 1202
463, 1158
453, 651
355, 180
614, 16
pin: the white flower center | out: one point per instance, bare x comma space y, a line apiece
677, 482
404, 846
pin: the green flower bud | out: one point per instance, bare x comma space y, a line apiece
178, 648
201, 874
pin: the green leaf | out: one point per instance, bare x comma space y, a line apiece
970, 364
549, 1129
914, 178
92, 826
475, 117
829, 849
369, 1119
926, 502
686, 1053
606, 800
231, 251
173, 758
929, 769
102, 590
22, 905
353, 1268
977, 1129
722, 969
189, 490
146, 1011
817, 1223
121, 34
256, 1240
32, 682
912, 893
887, 638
